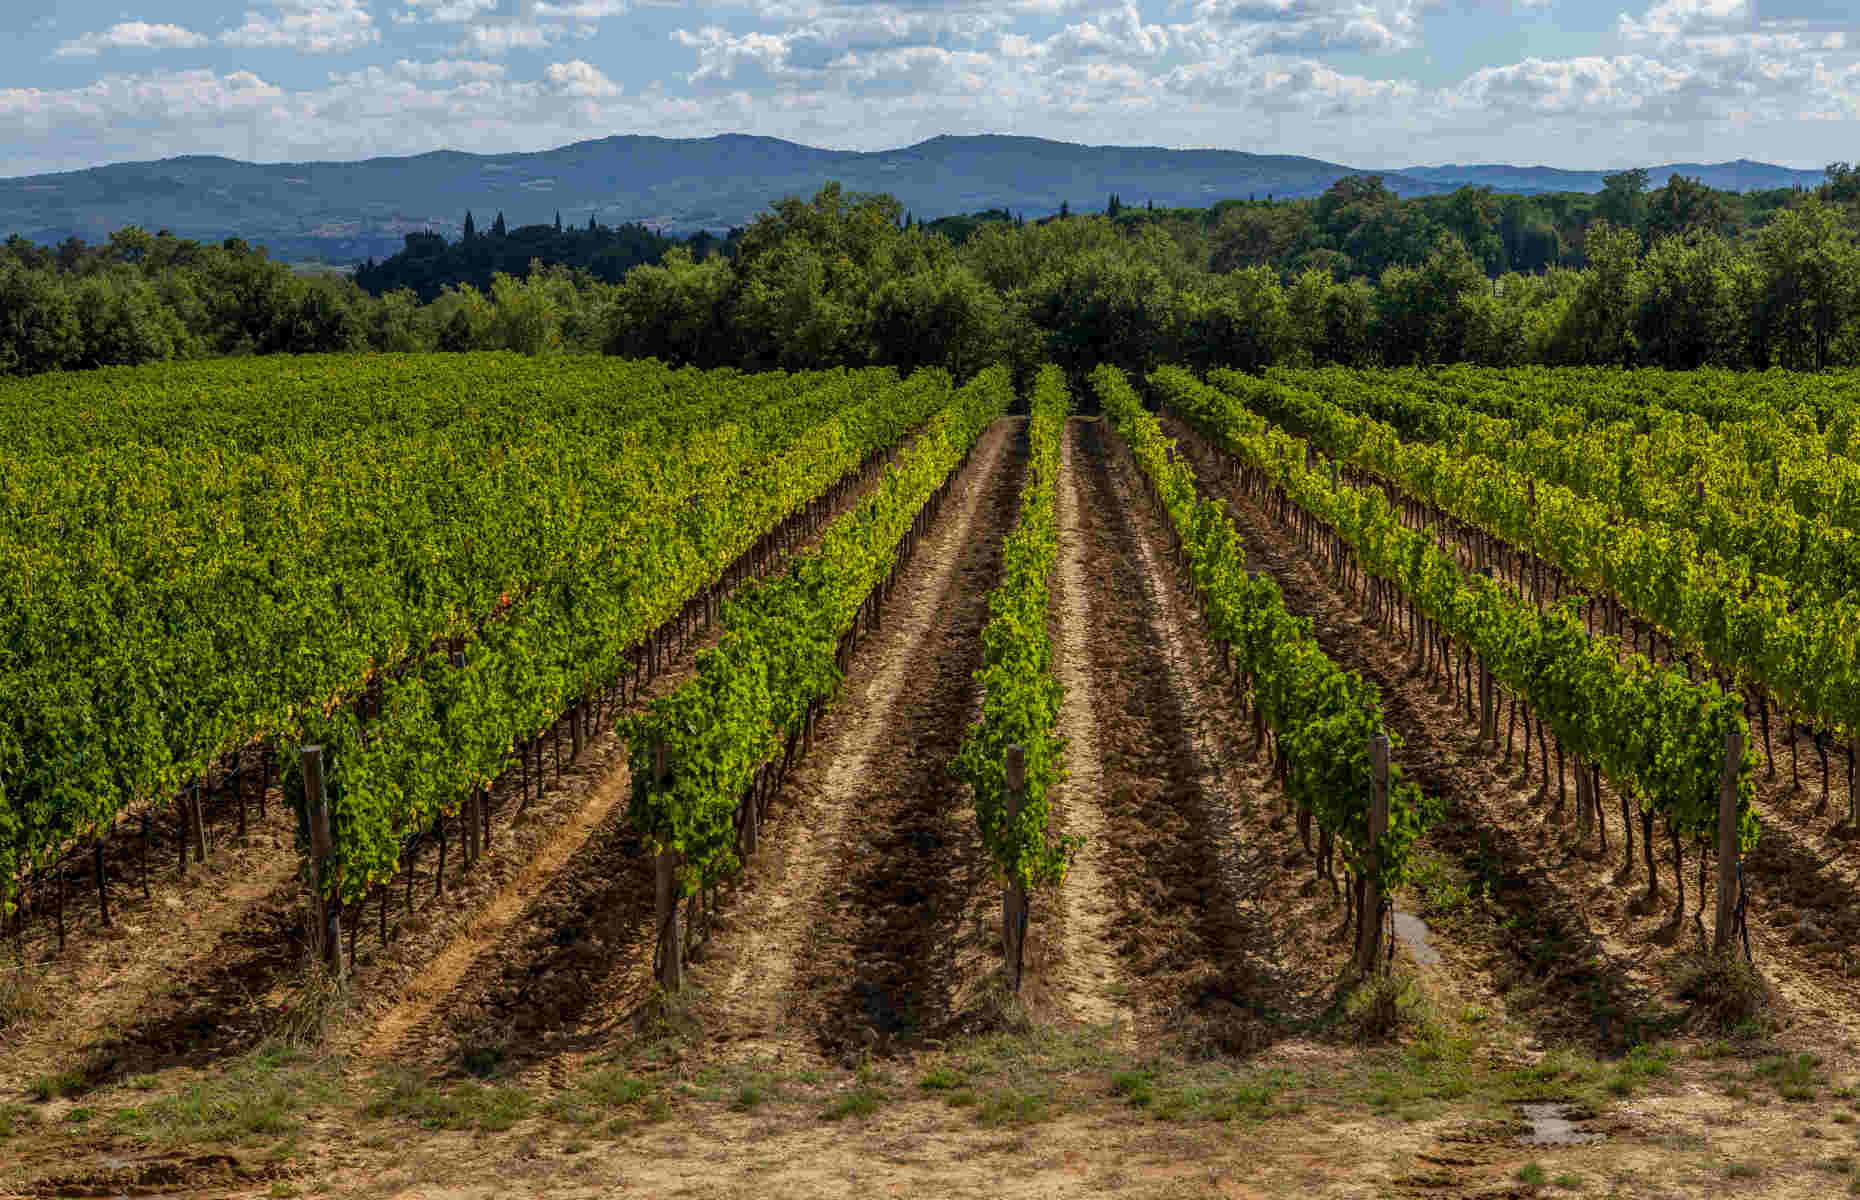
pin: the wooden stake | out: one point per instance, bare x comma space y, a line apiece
326, 933
1014, 901
1727, 840
103, 882
665, 895
199, 824
1369, 919
751, 820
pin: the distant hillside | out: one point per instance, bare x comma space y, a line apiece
1740, 176
350, 211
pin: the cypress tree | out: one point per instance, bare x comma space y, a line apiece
497, 226
471, 230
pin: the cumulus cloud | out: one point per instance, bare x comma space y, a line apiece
580, 10
442, 71
446, 12
501, 39
1616, 85
1317, 26
132, 35
1671, 20
581, 79
308, 27
1261, 74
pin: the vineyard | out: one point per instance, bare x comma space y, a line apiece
506, 721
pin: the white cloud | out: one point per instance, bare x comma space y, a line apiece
1673, 19
722, 54
501, 39
1316, 26
580, 10
580, 79
131, 35
308, 27
442, 71
448, 12
1253, 74
1616, 85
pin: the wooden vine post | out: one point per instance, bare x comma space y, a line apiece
198, 822
665, 896
326, 918
1369, 916
752, 813
1728, 843
1014, 900
1488, 699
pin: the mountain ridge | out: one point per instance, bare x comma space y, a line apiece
349, 210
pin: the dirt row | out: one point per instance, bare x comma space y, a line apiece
869, 920
1579, 959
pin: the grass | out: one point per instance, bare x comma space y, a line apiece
14, 1118
432, 1105
1383, 1005
66, 1083
861, 1101
606, 1092
1210, 1092
1011, 1107
941, 1079
1136, 1087
1642, 1063
1741, 1170
1418, 1080
1532, 1175
262, 1095
1446, 891
1793, 1076
1569, 1183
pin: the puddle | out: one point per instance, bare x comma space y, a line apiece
1413, 930
1551, 1126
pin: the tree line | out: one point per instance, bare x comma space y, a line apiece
428, 264
1681, 276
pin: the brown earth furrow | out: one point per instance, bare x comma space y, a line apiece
1092, 984
850, 924
1216, 929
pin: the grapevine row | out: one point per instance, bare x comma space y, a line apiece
1657, 735
173, 606
1021, 697
1323, 717
1788, 505
439, 734
1800, 654
703, 758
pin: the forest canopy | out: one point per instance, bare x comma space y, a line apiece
1675, 276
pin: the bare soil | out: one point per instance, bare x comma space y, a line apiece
1186, 1028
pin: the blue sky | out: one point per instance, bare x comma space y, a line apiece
1374, 83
